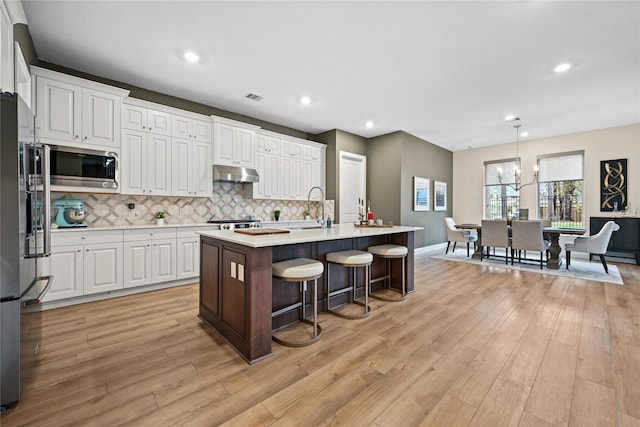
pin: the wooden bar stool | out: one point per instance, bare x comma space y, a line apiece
389, 252
352, 259
300, 270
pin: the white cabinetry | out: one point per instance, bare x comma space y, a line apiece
6, 50
84, 263
145, 164
146, 120
164, 153
188, 254
234, 143
77, 111
288, 167
149, 256
191, 169
187, 128
267, 162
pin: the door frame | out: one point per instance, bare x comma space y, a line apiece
345, 155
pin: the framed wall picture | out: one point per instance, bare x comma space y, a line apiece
439, 196
421, 191
613, 185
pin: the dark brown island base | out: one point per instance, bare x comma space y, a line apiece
238, 294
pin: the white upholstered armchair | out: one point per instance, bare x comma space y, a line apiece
454, 235
596, 244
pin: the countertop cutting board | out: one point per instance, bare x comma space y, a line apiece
261, 231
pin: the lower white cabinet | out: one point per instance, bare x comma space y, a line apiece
149, 256
188, 254
83, 263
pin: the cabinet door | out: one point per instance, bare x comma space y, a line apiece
159, 122
158, 165
259, 188
58, 109
312, 153
133, 162
313, 178
286, 186
188, 258
223, 145
201, 168
244, 148
100, 118
163, 261
201, 131
272, 178
234, 291
134, 118
137, 263
297, 179
102, 267
181, 127
181, 175
65, 264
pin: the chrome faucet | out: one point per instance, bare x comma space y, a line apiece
321, 221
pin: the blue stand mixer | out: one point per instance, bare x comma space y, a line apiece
70, 213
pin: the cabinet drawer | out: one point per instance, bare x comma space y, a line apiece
85, 237
149, 234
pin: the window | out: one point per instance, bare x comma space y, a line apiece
501, 200
560, 189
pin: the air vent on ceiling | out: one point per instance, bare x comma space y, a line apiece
254, 97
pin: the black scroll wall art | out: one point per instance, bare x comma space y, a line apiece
613, 180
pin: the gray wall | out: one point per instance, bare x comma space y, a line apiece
384, 164
426, 160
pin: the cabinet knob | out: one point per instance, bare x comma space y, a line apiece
149, 128
87, 250
75, 137
85, 138
79, 250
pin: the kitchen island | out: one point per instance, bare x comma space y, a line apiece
238, 294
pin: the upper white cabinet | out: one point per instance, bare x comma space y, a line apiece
6, 50
146, 120
166, 151
233, 143
288, 167
77, 111
188, 128
191, 168
145, 163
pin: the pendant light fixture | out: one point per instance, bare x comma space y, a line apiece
518, 169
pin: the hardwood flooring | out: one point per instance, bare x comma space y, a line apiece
472, 346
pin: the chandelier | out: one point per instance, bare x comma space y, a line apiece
517, 173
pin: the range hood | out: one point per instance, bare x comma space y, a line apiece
234, 174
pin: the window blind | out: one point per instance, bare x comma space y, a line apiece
508, 172
566, 167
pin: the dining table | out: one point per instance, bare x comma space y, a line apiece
554, 233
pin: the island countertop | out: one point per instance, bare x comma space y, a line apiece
337, 232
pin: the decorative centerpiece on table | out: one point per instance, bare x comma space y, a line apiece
160, 216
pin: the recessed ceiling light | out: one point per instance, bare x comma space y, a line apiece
562, 68
369, 124
305, 100
191, 56
510, 118
523, 134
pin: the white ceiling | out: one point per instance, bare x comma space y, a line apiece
447, 72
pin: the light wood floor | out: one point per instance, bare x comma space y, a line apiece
473, 346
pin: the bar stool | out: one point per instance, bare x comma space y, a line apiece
353, 259
389, 252
300, 270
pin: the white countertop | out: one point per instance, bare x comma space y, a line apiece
338, 231
131, 227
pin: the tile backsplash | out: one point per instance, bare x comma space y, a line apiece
227, 202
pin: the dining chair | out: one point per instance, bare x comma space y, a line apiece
527, 236
454, 235
495, 234
594, 245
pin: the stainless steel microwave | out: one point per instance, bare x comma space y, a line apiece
80, 167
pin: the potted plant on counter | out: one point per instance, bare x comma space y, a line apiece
160, 216
276, 214
306, 214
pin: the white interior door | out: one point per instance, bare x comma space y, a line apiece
353, 185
